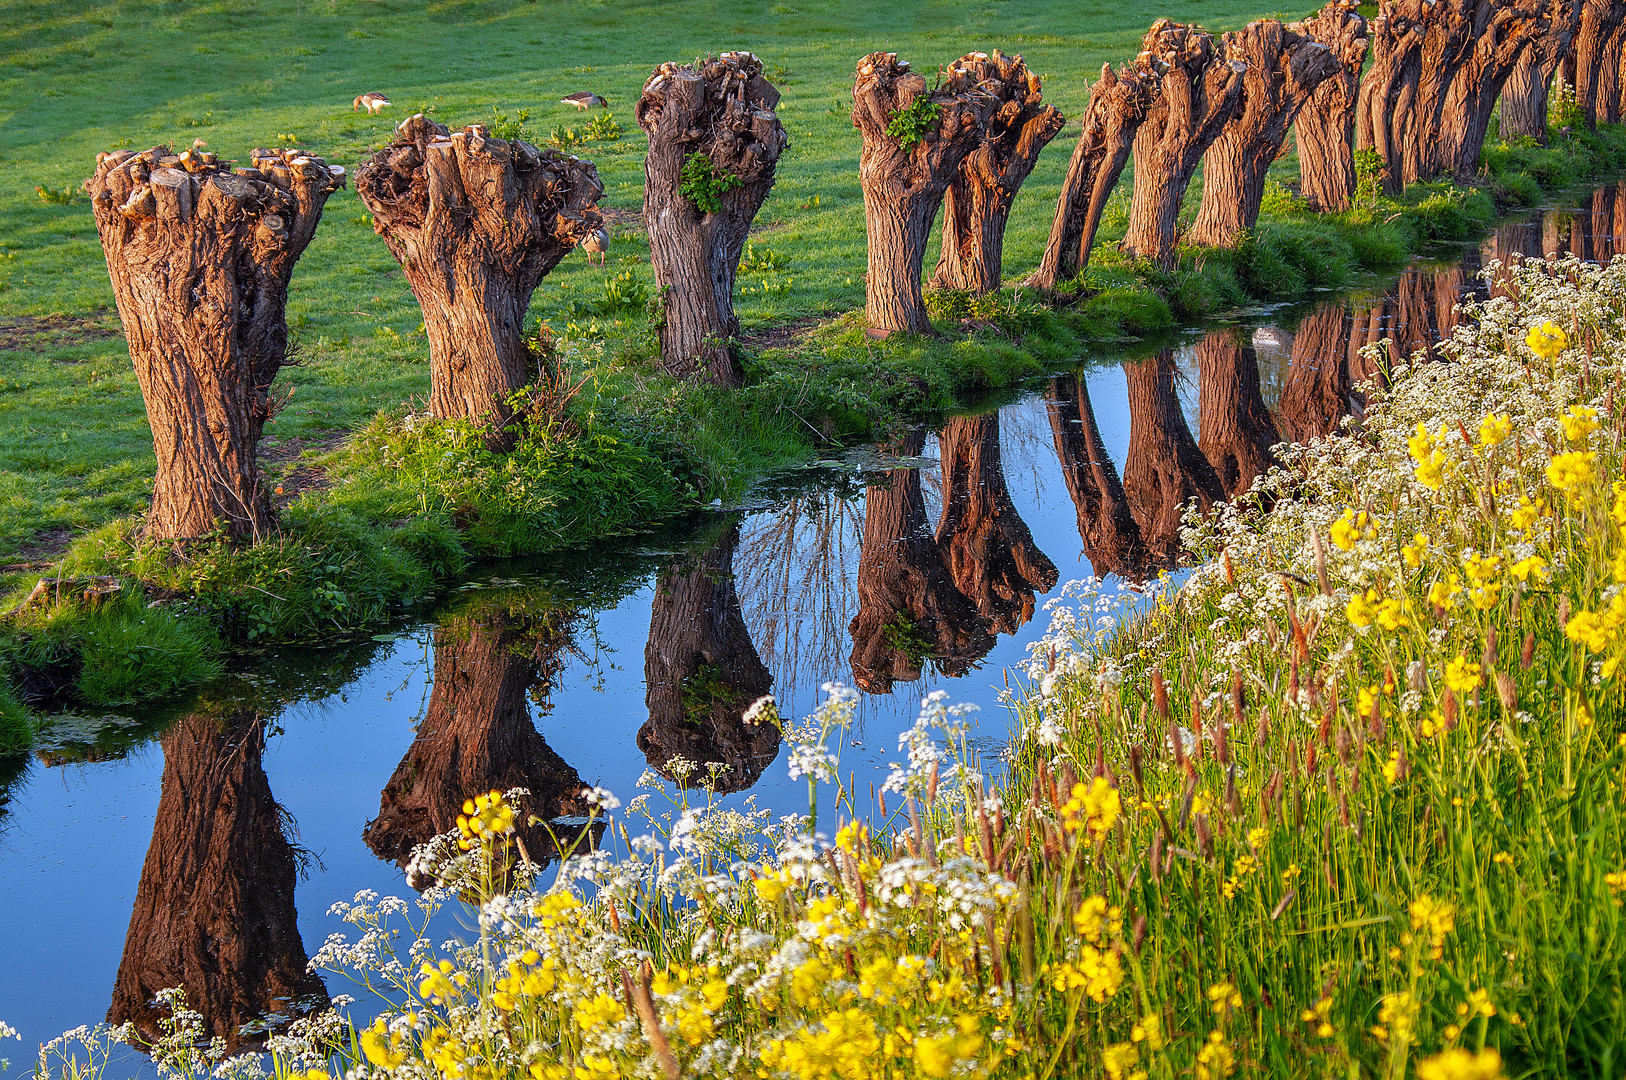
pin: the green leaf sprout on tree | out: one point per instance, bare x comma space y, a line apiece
704, 183
908, 125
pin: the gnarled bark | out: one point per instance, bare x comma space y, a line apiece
1199, 90
1326, 124
1163, 469
476, 223
1284, 68
721, 108
1107, 529
1235, 431
702, 674
904, 182
986, 545
200, 256
1449, 29
1503, 32
1597, 58
491, 659
1524, 94
978, 202
1118, 104
909, 609
214, 912
1388, 92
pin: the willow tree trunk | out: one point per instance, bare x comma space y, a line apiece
1106, 528
1118, 104
1235, 431
986, 545
1326, 124
477, 734
978, 202
1200, 89
1524, 95
476, 223
1385, 106
1318, 391
721, 109
1163, 469
905, 177
1448, 43
1283, 69
909, 609
200, 257
702, 674
1595, 45
1502, 33
214, 911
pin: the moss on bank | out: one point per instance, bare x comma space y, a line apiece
410, 502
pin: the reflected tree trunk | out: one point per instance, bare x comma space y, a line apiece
492, 658
1319, 392
1106, 528
214, 911
986, 545
1235, 430
909, 609
1164, 468
702, 674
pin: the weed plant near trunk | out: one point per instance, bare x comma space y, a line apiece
1347, 802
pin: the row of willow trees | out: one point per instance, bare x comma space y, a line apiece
200, 253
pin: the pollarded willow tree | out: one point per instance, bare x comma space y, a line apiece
1597, 54
1284, 67
476, 223
200, 256
714, 143
914, 142
1503, 32
978, 202
1388, 90
1118, 104
1199, 90
1325, 127
1111, 539
1524, 97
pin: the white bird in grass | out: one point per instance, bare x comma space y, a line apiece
597, 243
584, 100
372, 101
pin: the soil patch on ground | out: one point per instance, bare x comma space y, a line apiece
33, 333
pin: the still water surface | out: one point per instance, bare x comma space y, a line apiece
204, 848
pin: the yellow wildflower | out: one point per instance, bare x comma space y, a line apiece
1397, 1018
1119, 1060
1094, 919
1494, 428
1414, 552
1096, 806
1579, 422
381, 1048
1590, 629
1362, 609
1437, 917
1353, 526
1528, 568
1443, 593
1616, 881
1547, 340
600, 1011
1568, 472
1215, 1060
1222, 998
1149, 1031
1462, 675
1319, 1015
484, 817
1459, 1064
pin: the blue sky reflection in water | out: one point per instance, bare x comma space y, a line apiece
338, 726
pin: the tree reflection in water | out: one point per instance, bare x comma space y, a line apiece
214, 912
701, 674
1164, 468
1235, 430
909, 609
987, 547
1111, 538
493, 656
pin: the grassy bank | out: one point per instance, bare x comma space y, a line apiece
381, 505
1346, 803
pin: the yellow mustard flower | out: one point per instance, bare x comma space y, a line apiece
1459, 1064
1415, 551
1436, 917
1462, 675
1494, 428
1443, 593
1572, 471
1579, 422
1547, 340
1362, 609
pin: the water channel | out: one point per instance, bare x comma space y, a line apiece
203, 847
